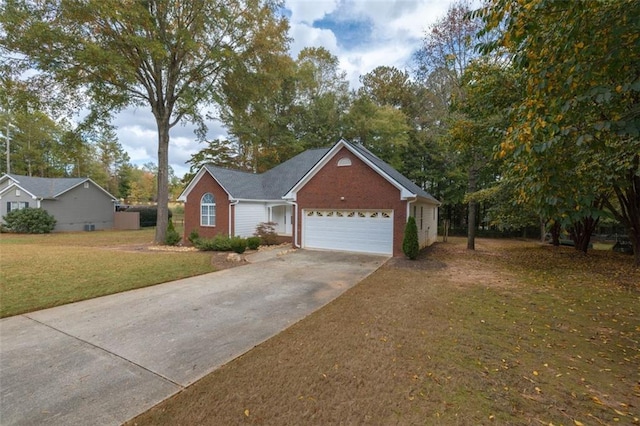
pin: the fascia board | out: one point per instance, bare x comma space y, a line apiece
291, 195
16, 186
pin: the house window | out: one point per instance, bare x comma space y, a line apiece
344, 161
421, 216
16, 205
208, 210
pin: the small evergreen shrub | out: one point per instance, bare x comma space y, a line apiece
267, 233
253, 243
30, 221
172, 238
217, 243
194, 236
238, 244
410, 244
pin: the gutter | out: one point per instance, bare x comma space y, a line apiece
232, 203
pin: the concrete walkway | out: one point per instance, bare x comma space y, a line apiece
105, 360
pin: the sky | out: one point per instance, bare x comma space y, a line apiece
362, 34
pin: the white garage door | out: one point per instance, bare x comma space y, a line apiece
367, 231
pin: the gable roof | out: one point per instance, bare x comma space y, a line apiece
284, 180
407, 188
48, 188
270, 185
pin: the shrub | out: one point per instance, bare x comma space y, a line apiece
30, 221
410, 244
267, 233
217, 243
253, 243
148, 215
172, 238
194, 236
238, 244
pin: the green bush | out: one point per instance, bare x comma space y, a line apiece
30, 221
238, 244
217, 243
253, 243
410, 244
148, 215
172, 238
267, 233
194, 236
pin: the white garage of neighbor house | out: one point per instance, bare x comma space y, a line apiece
78, 204
338, 198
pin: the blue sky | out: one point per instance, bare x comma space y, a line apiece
362, 34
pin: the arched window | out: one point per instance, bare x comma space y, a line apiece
344, 161
208, 210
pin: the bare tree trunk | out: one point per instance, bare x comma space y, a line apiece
163, 180
471, 216
555, 233
581, 233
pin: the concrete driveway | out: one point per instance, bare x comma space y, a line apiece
105, 360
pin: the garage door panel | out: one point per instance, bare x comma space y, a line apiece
349, 230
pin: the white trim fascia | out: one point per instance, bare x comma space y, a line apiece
196, 178
15, 185
194, 181
291, 195
428, 201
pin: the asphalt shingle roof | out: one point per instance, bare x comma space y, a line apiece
275, 183
270, 185
46, 188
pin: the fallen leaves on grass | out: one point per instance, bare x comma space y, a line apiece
513, 333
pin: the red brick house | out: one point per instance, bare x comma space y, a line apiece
342, 198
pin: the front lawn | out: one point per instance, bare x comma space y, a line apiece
41, 271
514, 333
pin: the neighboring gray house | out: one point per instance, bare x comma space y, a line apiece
78, 204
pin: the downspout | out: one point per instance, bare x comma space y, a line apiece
295, 228
232, 203
409, 207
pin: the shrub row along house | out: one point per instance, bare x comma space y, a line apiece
77, 204
340, 198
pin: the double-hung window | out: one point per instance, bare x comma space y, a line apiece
16, 205
208, 210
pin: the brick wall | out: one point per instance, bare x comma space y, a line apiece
361, 187
192, 209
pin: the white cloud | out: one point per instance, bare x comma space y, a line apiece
304, 35
307, 11
393, 30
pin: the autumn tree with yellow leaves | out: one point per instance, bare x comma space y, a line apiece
574, 139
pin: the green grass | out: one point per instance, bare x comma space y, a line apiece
41, 271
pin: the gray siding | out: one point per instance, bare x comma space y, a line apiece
10, 196
81, 206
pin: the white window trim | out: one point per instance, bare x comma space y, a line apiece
211, 208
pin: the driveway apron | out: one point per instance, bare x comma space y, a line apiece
105, 360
